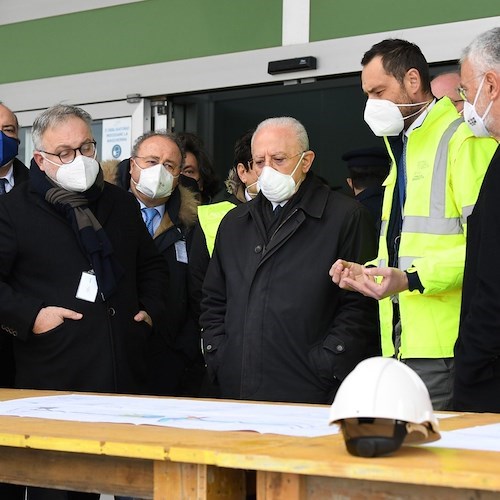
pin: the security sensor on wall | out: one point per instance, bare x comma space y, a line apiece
290, 65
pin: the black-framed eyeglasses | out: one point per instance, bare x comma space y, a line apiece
68, 155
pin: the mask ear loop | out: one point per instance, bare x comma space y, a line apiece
416, 104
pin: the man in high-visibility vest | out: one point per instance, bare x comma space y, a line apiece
438, 167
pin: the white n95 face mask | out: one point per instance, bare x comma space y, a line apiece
78, 175
384, 117
155, 181
275, 186
472, 118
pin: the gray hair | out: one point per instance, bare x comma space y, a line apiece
483, 53
54, 116
160, 133
288, 122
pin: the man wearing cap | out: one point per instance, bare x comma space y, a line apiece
367, 170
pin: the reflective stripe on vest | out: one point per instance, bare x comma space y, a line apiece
436, 223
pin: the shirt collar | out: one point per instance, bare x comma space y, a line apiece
420, 119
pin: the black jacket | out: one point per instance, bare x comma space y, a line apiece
275, 326
41, 264
7, 367
477, 350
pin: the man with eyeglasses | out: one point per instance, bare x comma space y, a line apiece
274, 326
81, 281
477, 351
438, 167
169, 210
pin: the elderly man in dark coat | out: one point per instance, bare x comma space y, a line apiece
274, 326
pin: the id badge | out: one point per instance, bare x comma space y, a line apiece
87, 288
181, 251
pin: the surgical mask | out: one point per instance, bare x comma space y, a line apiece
155, 181
384, 117
77, 176
275, 186
9, 147
472, 118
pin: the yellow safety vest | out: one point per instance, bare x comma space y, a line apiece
445, 166
210, 217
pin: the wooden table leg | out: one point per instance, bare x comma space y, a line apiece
197, 482
280, 486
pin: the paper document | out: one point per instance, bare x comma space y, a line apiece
221, 415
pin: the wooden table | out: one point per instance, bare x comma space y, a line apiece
167, 463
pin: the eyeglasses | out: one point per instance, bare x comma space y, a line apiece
276, 160
462, 92
151, 161
68, 155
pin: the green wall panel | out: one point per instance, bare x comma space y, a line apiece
146, 32
337, 19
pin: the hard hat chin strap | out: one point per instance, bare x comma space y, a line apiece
375, 446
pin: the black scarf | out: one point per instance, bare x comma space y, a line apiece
89, 232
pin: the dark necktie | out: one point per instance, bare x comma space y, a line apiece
2, 186
277, 210
150, 214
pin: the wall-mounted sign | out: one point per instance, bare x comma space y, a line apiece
116, 138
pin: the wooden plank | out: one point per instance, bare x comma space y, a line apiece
76, 471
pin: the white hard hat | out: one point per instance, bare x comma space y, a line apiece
381, 404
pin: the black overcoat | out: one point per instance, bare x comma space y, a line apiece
275, 327
477, 350
41, 264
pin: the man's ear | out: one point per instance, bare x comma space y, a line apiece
39, 160
413, 82
242, 172
307, 161
349, 182
492, 84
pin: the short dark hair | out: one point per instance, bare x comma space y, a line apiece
193, 144
399, 56
243, 150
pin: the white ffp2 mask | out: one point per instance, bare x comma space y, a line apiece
275, 186
155, 181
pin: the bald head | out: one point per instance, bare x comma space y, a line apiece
447, 85
8, 122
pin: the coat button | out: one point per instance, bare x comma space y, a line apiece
258, 249
111, 311
339, 347
208, 347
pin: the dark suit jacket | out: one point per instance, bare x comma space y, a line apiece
7, 367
